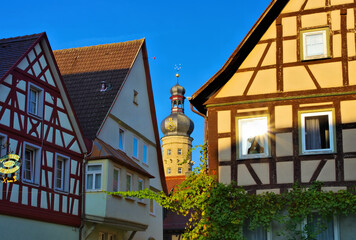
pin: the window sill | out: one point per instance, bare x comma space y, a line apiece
129, 199
316, 58
317, 152
65, 192
141, 203
35, 116
145, 164
93, 190
30, 183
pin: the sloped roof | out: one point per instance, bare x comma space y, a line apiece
12, 49
83, 69
174, 181
101, 150
240, 53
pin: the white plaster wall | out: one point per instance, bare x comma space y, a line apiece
22, 228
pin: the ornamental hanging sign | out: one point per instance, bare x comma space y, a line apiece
9, 164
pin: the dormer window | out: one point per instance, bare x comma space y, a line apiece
315, 44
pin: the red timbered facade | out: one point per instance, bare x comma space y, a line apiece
37, 123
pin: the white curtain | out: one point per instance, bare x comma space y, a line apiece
312, 133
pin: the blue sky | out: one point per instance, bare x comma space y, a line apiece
199, 35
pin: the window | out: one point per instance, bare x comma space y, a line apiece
3, 147
94, 176
111, 236
144, 154
62, 173
116, 180
140, 186
258, 233
253, 137
121, 139
101, 236
128, 182
179, 170
315, 222
317, 133
315, 43
35, 100
135, 148
135, 97
169, 151
179, 151
168, 170
31, 164
152, 207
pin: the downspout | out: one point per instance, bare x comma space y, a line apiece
83, 199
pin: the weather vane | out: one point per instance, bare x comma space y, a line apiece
177, 67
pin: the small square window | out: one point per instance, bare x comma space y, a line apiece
253, 137
179, 170
317, 133
169, 151
168, 170
315, 44
94, 173
179, 151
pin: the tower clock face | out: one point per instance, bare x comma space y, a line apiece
171, 126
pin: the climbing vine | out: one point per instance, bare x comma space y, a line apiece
219, 211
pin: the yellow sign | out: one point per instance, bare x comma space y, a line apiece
9, 164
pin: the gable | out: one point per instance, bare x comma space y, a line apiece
34, 102
275, 64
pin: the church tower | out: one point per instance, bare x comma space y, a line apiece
176, 142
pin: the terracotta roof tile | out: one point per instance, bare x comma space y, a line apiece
11, 49
83, 69
174, 181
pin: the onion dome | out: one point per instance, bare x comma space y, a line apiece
177, 123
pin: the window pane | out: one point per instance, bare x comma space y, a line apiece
144, 154
121, 139
97, 180
314, 44
116, 180
94, 168
253, 136
140, 185
135, 148
317, 132
89, 181
29, 155
256, 234
128, 182
315, 222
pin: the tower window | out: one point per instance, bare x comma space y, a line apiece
180, 170
169, 151
179, 151
168, 170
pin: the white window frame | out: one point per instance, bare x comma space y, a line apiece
131, 178
153, 206
135, 153
118, 179
335, 226
64, 174
241, 121
330, 114
180, 170
94, 173
39, 100
145, 153
35, 166
325, 35
122, 139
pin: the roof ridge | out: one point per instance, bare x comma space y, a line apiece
100, 45
20, 38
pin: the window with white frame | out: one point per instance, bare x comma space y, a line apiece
179, 151
315, 43
140, 186
135, 148
116, 180
144, 153
179, 170
121, 139
253, 137
128, 182
152, 207
94, 174
317, 133
314, 223
35, 100
62, 173
31, 164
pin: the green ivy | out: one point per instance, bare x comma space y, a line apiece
219, 211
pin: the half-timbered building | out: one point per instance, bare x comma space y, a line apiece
42, 199
282, 108
111, 90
